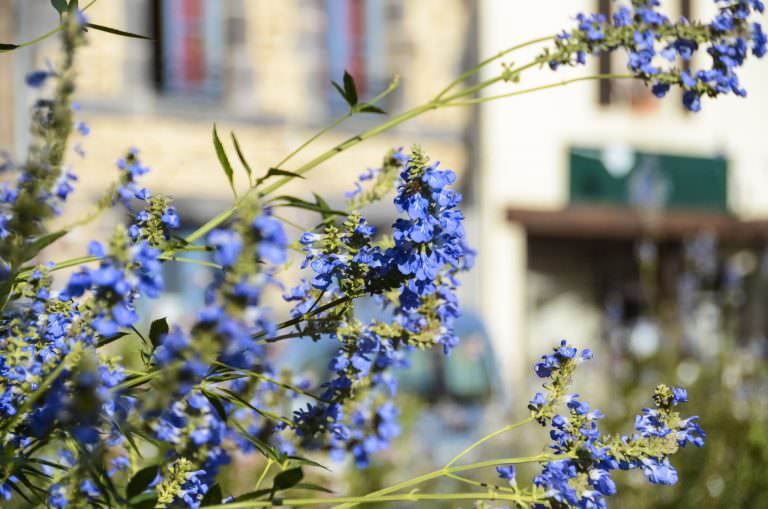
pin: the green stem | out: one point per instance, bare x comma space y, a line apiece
45, 35
445, 471
264, 473
405, 497
487, 437
489, 60
595, 77
478, 483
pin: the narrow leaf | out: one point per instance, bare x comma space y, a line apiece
59, 5
224, 160
306, 461
311, 487
341, 91
157, 329
291, 201
242, 157
213, 497
143, 501
115, 31
370, 108
349, 89
73, 5
216, 404
277, 172
287, 479
8, 47
41, 243
141, 480
252, 495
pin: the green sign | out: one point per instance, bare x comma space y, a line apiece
617, 176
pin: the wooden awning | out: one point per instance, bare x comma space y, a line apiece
605, 222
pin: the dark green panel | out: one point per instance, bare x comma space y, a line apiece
686, 183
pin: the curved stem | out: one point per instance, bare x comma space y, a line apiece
478, 483
406, 497
445, 471
488, 437
595, 77
353, 111
489, 60
45, 35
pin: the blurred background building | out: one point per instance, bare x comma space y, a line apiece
588, 203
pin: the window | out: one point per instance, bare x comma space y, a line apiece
356, 43
189, 47
627, 92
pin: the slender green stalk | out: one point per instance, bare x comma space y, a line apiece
405, 497
472, 482
45, 35
263, 473
595, 77
352, 112
265, 378
497, 56
192, 261
445, 471
487, 437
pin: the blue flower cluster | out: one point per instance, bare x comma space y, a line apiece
581, 474
661, 51
414, 273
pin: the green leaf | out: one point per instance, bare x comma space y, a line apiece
292, 201
311, 487
213, 497
73, 5
370, 108
143, 501
60, 6
157, 329
141, 480
306, 461
253, 494
224, 160
41, 243
241, 157
287, 479
348, 91
111, 339
115, 31
216, 404
8, 47
264, 448
277, 172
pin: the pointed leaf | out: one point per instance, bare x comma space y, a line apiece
157, 329
213, 497
73, 5
291, 201
287, 479
59, 5
141, 480
41, 243
216, 404
223, 160
341, 91
370, 108
143, 501
115, 31
312, 487
277, 172
241, 156
252, 495
306, 461
349, 89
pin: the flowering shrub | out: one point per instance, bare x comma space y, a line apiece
77, 424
